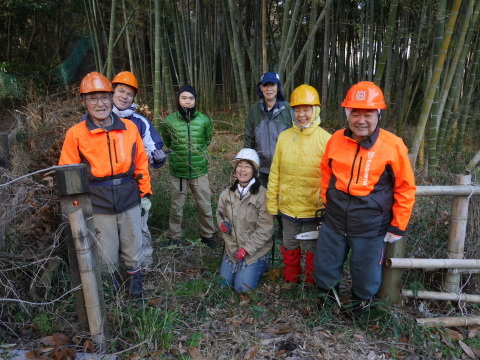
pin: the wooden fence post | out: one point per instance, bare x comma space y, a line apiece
391, 279
72, 184
87, 268
456, 235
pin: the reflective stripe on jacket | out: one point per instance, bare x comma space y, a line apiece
368, 187
188, 141
116, 153
295, 175
252, 225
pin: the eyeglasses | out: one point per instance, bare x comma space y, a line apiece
105, 99
244, 167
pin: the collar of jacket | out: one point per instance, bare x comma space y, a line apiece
314, 124
277, 108
117, 124
180, 116
368, 142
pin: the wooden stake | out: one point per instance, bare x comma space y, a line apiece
87, 274
433, 295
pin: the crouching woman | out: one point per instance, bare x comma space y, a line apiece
246, 225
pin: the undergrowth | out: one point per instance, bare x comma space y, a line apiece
187, 307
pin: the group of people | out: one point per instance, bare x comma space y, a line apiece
290, 169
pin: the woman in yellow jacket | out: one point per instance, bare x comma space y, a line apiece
294, 185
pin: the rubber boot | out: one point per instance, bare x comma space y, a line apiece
292, 269
135, 284
309, 268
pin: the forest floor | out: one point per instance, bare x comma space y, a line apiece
188, 313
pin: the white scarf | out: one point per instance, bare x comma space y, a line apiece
244, 190
125, 113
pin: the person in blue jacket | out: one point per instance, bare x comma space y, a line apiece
125, 87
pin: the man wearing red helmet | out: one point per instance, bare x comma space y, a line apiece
117, 169
368, 189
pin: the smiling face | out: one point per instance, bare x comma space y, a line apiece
363, 123
99, 105
244, 171
186, 100
123, 96
269, 91
303, 114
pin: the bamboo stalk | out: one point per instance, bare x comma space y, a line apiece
449, 321
406, 263
434, 295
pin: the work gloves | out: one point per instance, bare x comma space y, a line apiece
391, 238
159, 158
145, 205
240, 254
226, 227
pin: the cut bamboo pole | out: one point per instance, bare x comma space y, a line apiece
449, 321
448, 190
87, 274
434, 295
456, 235
407, 263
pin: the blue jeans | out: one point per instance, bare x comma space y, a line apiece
245, 279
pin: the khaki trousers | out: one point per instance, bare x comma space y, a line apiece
120, 234
200, 188
290, 229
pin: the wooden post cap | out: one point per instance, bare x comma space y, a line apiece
72, 179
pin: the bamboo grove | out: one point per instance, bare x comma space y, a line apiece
424, 53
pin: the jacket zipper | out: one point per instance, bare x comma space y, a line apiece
349, 183
189, 153
110, 154
115, 150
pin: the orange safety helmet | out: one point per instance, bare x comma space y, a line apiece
127, 78
93, 82
304, 95
364, 95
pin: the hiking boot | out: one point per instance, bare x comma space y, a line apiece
288, 287
135, 285
210, 242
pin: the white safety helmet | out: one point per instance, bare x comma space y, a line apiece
247, 154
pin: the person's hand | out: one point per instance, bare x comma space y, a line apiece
145, 205
226, 227
240, 254
158, 155
391, 238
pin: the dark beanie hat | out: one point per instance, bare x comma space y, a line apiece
189, 89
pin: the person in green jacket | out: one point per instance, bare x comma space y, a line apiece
266, 119
188, 132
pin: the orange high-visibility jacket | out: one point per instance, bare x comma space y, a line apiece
368, 188
117, 164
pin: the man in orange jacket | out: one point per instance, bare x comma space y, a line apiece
117, 167
368, 189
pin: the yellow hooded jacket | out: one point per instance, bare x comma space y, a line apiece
294, 184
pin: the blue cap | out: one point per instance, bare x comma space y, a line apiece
270, 77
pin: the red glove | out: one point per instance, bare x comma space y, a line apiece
226, 227
240, 254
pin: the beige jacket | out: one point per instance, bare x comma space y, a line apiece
252, 225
